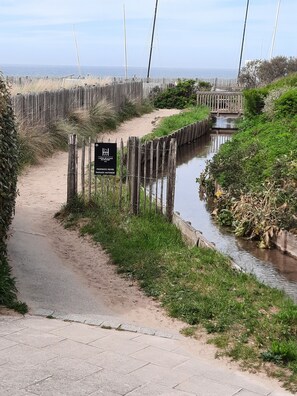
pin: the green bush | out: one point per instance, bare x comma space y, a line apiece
254, 101
8, 160
286, 104
8, 180
288, 81
178, 96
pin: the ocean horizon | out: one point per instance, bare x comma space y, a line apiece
113, 71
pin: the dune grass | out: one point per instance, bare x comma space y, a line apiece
35, 85
38, 142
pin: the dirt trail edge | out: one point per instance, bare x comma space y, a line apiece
55, 268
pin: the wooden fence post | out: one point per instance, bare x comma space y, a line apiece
133, 172
72, 168
171, 180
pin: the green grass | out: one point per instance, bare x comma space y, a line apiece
177, 121
249, 321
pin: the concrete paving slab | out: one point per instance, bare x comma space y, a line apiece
45, 325
158, 342
80, 333
110, 381
160, 375
16, 378
245, 392
114, 343
69, 348
33, 337
207, 387
158, 390
72, 369
21, 354
117, 362
159, 357
6, 343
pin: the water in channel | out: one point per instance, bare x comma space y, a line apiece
269, 266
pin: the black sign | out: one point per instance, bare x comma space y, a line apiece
105, 159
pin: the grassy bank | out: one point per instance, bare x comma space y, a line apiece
177, 121
257, 169
245, 319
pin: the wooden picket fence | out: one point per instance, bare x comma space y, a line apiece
146, 171
45, 108
145, 180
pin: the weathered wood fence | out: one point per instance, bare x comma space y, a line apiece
222, 102
46, 107
146, 172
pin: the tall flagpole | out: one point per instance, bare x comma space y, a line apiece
152, 41
77, 52
243, 37
125, 44
275, 29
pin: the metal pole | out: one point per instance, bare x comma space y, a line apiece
243, 37
152, 41
275, 29
77, 52
125, 44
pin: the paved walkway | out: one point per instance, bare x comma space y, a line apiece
42, 356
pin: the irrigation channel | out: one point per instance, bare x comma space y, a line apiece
269, 266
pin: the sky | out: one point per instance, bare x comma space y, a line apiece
189, 33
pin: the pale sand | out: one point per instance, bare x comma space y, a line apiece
43, 189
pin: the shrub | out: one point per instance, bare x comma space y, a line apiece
261, 72
8, 179
178, 96
286, 104
269, 101
8, 160
254, 101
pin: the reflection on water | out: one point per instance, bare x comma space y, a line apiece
222, 122
270, 266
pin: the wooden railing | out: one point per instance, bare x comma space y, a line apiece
222, 102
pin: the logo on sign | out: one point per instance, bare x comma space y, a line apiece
105, 159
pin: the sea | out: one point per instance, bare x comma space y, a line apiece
113, 71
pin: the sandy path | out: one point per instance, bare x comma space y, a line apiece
54, 267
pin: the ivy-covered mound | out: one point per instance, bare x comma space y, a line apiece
8, 179
257, 170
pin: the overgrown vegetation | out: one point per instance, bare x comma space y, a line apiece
247, 320
179, 96
40, 142
262, 72
257, 169
177, 121
8, 180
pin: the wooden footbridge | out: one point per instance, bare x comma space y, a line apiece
221, 102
